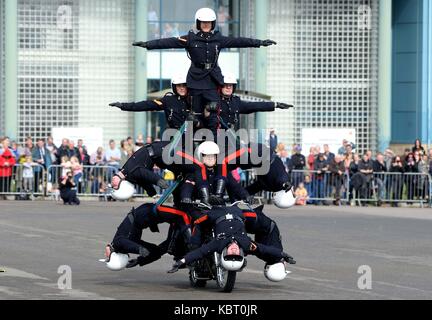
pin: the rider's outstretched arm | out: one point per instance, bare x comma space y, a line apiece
146, 105
269, 254
241, 42
166, 43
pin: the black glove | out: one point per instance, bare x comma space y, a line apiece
287, 186
268, 42
216, 201
194, 119
281, 105
141, 44
162, 183
142, 261
288, 258
212, 106
180, 264
132, 263
116, 104
144, 253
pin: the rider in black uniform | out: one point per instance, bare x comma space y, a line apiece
203, 46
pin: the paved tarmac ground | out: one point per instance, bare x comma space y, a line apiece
329, 244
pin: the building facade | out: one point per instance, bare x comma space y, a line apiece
74, 57
2, 67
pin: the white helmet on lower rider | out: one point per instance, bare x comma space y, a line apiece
285, 199
117, 261
124, 191
232, 257
178, 79
275, 272
207, 148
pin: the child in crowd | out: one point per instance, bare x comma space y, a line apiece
27, 174
301, 194
77, 169
66, 165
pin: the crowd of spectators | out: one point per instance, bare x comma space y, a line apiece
22, 166
317, 177
322, 175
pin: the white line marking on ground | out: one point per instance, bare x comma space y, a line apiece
16, 273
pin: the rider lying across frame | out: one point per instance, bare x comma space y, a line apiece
229, 228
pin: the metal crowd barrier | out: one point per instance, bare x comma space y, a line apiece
24, 182
378, 188
395, 188
323, 189
92, 182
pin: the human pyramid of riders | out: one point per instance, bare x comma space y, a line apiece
202, 100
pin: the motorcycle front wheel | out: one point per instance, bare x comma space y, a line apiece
225, 279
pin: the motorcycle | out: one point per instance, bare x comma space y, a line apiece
212, 268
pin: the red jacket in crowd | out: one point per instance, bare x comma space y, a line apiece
7, 157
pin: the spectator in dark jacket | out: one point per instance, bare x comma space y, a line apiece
430, 162
353, 170
418, 147
396, 182
83, 156
423, 181
42, 156
379, 167
73, 151
328, 155
321, 169
366, 169
337, 169
298, 162
410, 168
68, 189
63, 151
273, 141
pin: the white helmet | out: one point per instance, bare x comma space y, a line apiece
177, 79
230, 78
232, 257
207, 15
207, 147
285, 199
275, 272
117, 261
124, 191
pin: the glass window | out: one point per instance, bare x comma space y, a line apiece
173, 18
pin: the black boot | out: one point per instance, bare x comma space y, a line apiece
172, 242
220, 188
187, 234
180, 264
143, 254
205, 195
